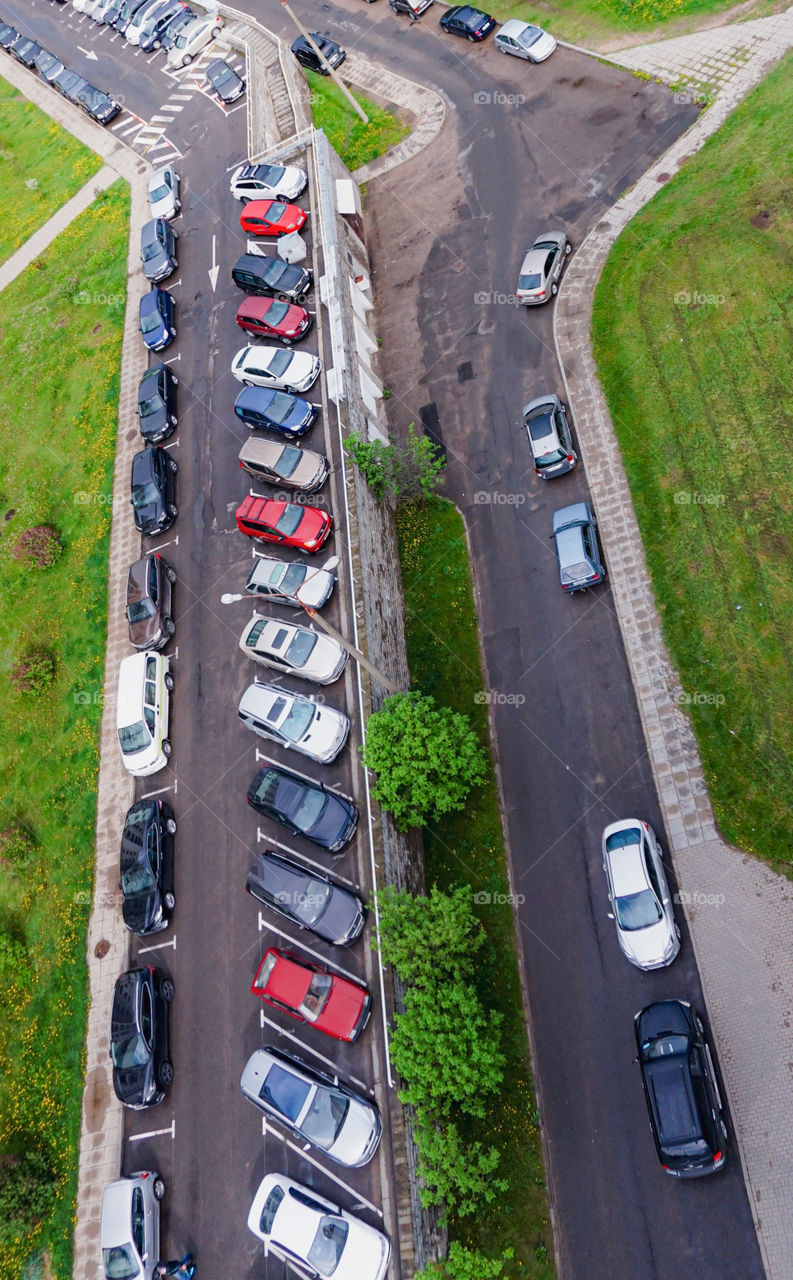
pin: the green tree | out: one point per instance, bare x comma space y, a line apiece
419, 935
465, 1264
407, 470
454, 1173
426, 758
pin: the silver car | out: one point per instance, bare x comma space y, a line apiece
639, 895
523, 40
129, 1233
542, 268
545, 420
164, 193
294, 721
290, 582
324, 1112
575, 538
293, 650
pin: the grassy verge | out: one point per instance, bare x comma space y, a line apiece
56, 468
41, 167
605, 24
357, 143
692, 334
443, 653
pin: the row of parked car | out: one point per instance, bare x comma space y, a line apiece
100, 106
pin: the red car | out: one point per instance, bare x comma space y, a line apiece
310, 993
305, 528
271, 218
272, 319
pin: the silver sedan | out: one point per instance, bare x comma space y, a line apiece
545, 420
542, 268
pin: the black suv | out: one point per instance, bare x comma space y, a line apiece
305, 808
679, 1079
157, 403
306, 56
142, 1070
147, 866
153, 490
271, 277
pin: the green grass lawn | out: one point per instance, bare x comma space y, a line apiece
604, 24
693, 336
357, 143
41, 167
58, 405
469, 848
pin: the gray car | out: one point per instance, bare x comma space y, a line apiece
158, 249
310, 899
575, 537
542, 268
164, 193
545, 420
324, 1112
129, 1234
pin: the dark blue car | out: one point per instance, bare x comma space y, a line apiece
269, 410
157, 319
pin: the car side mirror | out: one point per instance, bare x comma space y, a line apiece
610, 915
636, 1061
306, 1146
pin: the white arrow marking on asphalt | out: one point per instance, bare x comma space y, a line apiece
89, 53
214, 269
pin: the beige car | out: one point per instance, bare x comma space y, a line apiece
292, 649
280, 463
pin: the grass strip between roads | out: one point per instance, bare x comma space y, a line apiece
444, 658
693, 332
58, 405
41, 167
604, 24
357, 143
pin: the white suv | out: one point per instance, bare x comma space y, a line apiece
144, 686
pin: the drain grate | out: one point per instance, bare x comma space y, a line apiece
465, 371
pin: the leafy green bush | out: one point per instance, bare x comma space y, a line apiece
465, 1264
26, 1183
408, 470
16, 845
34, 670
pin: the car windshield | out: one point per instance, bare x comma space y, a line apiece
277, 313
132, 1052
298, 720
140, 611
137, 878
637, 910
311, 903
151, 321
281, 407
143, 495
316, 997
150, 249
325, 1118
529, 282
160, 193
294, 578
287, 461
529, 36
290, 518
279, 363
120, 1263
134, 737
325, 1253
310, 810
277, 210
183, 40
301, 648
150, 405
224, 74
285, 1092
271, 173
664, 1047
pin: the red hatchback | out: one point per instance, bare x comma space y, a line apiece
272, 319
310, 993
271, 218
306, 528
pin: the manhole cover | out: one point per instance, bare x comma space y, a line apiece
663, 177
101, 949
458, 265
465, 371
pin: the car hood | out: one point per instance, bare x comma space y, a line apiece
293, 182
311, 525
645, 947
357, 1135
342, 1011
157, 263
544, 47
335, 825
342, 919
326, 734
142, 910
151, 513
365, 1253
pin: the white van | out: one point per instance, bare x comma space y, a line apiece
144, 686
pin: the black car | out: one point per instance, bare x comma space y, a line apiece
7, 36
686, 1112
111, 15
271, 277
308, 58
153, 490
308, 898
100, 106
25, 51
142, 1070
462, 20
68, 81
48, 66
305, 808
147, 866
262, 408
158, 22
175, 27
224, 81
127, 12
157, 403
158, 249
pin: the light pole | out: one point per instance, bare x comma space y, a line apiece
231, 598
356, 106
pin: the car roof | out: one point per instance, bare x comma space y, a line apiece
260, 699
258, 449
131, 673
669, 1082
513, 27
628, 872
289, 981
116, 1222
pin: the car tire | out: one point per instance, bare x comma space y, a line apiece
168, 681
568, 248
554, 290
173, 464
170, 574
169, 626
167, 990
282, 297
165, 1074
170, 826
215, 32
187, 59
173, 510
166, 748
172, 418
170, 901
158, 1187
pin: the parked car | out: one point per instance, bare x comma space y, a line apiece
309, 899
143, 711
48, 66
641, 905
157, 403
307, 57
551, 442
523, 40
129, 1231
274, 367
147, 866
174, 29
462, 20
127, 14
271, 277
224, 82
319, 1108
284, 464
142, 15
265, 409
153, 490
300, 1225
271, 218
413, 8
163, 17
575, 538
311, 993
268, 318
8, 35
681, 1091
294, 721
192, 39
292, 649
157, 319
542, 268
164, 199
306, 808
285, 580
67, 82
25, 51
271, 520
149, 609
97, 104
112, 13
268, 182
100, 9
142, 1070
158, 249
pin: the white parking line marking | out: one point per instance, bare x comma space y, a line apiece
161, 791
265, 1021
296, 942
159, 946
301, 857
361, 1203
159, 119
154, 1133
171, 542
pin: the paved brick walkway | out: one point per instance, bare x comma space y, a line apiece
740, 914
43, 238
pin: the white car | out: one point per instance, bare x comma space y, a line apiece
523, 40
193, 39
268, 182
164, 199
639, 895
301, 1226
142, 713
277, 367
129, 1231
299, 651
294, 721
99, 10
137, 24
